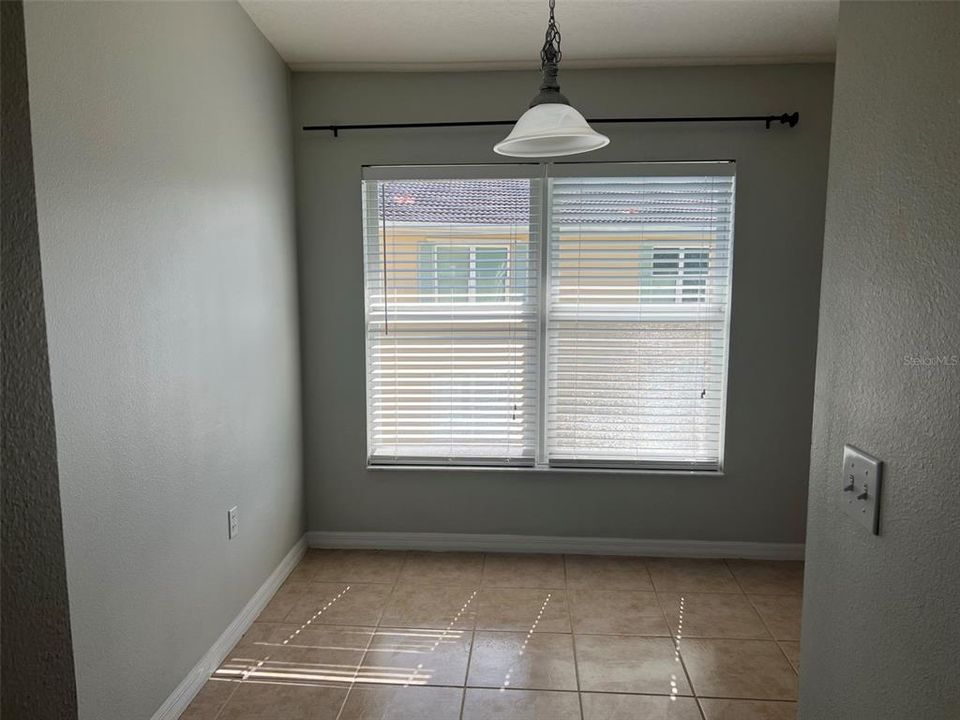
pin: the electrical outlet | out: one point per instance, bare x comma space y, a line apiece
860, 493
233, 523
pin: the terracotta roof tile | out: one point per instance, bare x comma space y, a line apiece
458, 201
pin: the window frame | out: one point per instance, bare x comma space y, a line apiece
437, 245
679, 310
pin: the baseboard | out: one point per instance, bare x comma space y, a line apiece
549, 544
182, 696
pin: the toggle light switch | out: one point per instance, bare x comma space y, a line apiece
860, 497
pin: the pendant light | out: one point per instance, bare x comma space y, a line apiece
551, 127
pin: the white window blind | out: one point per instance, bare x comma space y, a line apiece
452, 270
602, 345
639, 278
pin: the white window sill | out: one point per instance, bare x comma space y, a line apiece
546, 470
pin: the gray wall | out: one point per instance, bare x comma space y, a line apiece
164, 190
881, 635
37, 667
781, 191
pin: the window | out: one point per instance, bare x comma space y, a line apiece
676, 275
452, 284
476, 273
599, 341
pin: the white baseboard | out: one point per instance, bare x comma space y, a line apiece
184, 693
548, 544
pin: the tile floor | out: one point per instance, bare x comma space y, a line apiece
372, 635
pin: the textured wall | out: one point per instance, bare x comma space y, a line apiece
881, 629
37, 667
781, 188
164, 193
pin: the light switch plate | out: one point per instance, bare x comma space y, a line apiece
860, 489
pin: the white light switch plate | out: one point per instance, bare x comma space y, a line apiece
860, 487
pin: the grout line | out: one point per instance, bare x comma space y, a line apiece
223, 706
473, 640
796, 670
379, 624
703, 714
646, 569
466, 674
763, 621
747, 699
560, 690
666, 636
483, 570
768, 629
573, 635
363, 655
584, 692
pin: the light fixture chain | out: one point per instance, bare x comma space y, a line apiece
550, 54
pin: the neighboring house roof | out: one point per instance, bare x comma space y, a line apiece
458, 201
506, 202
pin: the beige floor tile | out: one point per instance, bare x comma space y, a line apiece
303, 572
748, 710
442, 568
768, 577
522, 609
626, 664
446, 619
608, 706
617, 612
431, 607
289, 594
602, 572
712, 615
792, 651
402, 703
278, 652
781, 613
523, 571
417, 657
754, 669
209, 701
349, 566
256, 701
340, 604
520, 705
542, 661
686, 575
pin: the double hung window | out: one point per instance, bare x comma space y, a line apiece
563, 315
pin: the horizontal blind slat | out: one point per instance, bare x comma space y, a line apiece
452, 274
639, 275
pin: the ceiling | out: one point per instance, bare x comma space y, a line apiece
409, 35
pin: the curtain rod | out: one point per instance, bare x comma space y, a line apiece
790, 119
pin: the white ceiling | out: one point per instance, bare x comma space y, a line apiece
507, 34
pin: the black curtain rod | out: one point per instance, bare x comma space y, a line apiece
790, 119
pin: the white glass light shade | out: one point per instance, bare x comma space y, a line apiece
549, 130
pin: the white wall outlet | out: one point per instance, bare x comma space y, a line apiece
860, 489
233, 523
